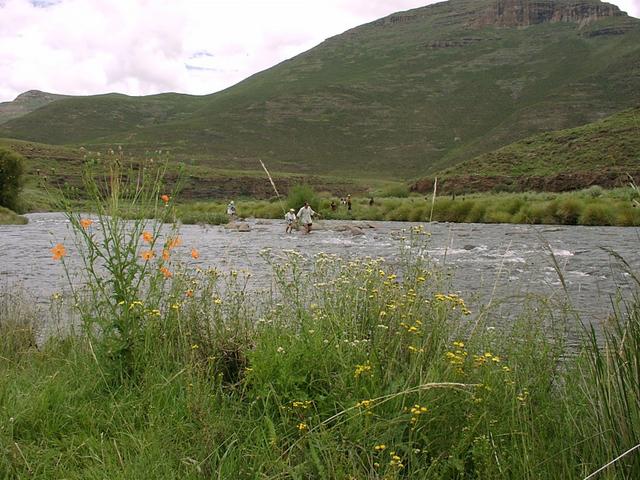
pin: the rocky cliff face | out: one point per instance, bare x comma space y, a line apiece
522, 13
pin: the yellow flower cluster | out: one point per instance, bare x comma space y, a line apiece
362, 369
486, 358
454, 301
414, 329
523, 396
395, 461
301, 405
416, 411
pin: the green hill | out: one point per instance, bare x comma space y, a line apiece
402, 97
603, 153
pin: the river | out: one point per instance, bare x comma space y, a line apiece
500, 261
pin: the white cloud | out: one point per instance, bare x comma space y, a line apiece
141, 47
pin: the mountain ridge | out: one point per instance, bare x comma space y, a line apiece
400, 97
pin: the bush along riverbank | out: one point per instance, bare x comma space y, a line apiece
593, 206
342, 368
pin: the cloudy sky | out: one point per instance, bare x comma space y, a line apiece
141, 47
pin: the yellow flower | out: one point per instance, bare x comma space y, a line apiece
361, 369
379, 448
58, 251
166, 255
302, 427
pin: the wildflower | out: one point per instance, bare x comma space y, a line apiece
458, 344
86, 223
361, 369
195, 254
147, 255
189, 293
217, 301
165, 198
195, 347
379, 448
174, 242
58, 251
303, 405
302, 427
280, 350
396, 461
165, 271
147, 237
364, 404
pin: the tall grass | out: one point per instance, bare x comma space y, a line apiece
593, 206
341, 368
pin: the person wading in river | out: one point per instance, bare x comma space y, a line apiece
290, 218
305, 215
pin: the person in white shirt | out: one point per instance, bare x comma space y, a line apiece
290, 218
231, 210
306, 214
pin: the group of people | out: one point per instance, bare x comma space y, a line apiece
305, 216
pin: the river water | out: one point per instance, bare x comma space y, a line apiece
499, 261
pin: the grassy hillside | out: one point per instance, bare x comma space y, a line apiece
603, 153
54, 169
398, 98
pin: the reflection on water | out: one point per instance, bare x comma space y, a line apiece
503, 261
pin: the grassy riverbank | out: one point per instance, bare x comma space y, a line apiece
341, 371
594, 206
9, 217
339, 368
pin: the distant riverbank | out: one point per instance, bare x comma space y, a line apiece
593, 206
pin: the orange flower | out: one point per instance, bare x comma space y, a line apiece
86, 223
147, 255
58, 251
165, 271
189, 293
174, 242
147, 237
195, 253
165, 255
165, 198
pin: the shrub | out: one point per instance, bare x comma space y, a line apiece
211, 218
300, 194
596, 214
568, 211
11, 178
594, 192
398, 191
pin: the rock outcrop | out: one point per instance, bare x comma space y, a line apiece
523, 13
